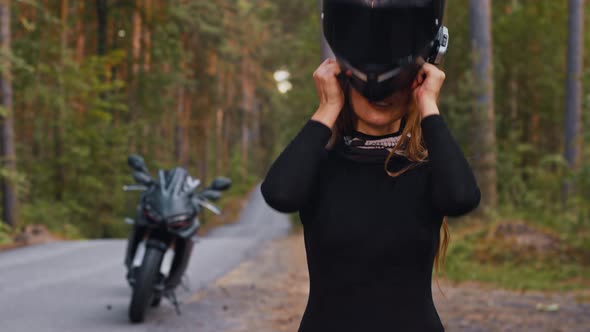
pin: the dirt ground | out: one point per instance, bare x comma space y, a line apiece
268, 293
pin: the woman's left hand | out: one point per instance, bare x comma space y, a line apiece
426, 88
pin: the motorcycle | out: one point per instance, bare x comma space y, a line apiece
164, 230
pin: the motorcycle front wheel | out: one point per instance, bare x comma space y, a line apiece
143, 290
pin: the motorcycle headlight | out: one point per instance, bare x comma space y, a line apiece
178, 218
179, 221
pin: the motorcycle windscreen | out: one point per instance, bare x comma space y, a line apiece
384, 35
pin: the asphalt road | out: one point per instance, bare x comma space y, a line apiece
80, 286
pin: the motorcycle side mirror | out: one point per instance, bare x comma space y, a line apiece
137, 163
220, 184
142, 178
211, 194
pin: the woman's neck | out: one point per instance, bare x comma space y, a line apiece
373, 130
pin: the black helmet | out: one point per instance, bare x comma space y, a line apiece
384, 42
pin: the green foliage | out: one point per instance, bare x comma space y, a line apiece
529, 48
510, 272
529, 70
5, 234
93, 149
59, 218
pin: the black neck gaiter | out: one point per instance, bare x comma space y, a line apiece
365, 148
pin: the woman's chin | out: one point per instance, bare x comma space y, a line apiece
378, 117
380, 114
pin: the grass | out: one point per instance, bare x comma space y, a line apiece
512, 272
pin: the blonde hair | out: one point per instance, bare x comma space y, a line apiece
414, 150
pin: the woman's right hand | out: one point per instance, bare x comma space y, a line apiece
329, 92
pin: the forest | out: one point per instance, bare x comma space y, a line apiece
191, 83
180, 82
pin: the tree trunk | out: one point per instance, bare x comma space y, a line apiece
58, 135
9, 199
136, 41
80, 50
204, 160
218, 140
135, 72
102, 29
112, 42
484, 134
186, 125
81, 38
146, 48
248, 96
102, 14
514, 94
217, 151
179, 126
256, 121
147, 37
227, 128
573, 88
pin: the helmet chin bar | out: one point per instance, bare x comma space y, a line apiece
377, 82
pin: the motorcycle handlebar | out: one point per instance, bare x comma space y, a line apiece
135, 187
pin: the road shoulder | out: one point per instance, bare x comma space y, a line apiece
268, 292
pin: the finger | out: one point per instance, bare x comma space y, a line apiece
428, 71
317, 78
333, 68
328, 75
318, 87
326, 80
420, 77
433, 71
428, 67
327, 61
322, 65
328, 66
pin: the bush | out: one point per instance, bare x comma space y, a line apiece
5, 233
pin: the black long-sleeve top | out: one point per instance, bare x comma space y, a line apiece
370, 238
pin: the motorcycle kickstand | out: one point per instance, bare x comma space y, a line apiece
171, 296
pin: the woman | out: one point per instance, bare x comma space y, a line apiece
372, 234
